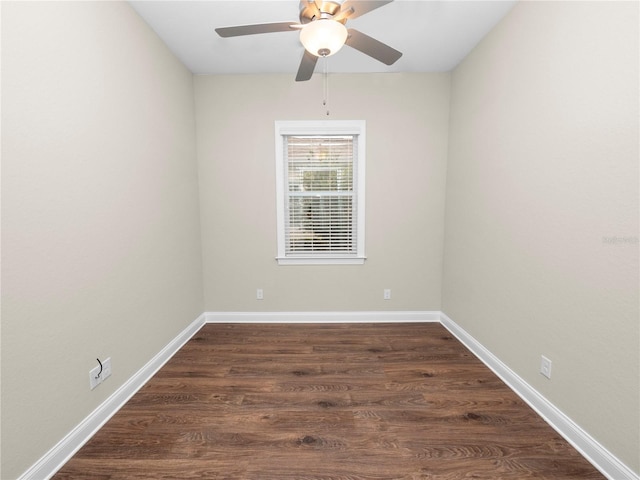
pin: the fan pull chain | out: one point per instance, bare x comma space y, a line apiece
326, 84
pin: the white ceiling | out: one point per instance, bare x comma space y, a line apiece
433, 35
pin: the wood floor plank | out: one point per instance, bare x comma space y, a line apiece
326, 402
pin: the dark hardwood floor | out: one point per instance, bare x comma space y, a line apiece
330, 402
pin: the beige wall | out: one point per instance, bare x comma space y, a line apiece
100, 236
406, 117
542, 174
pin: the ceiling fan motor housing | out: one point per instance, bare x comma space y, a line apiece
309, 10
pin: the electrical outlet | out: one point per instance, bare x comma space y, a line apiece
387, 294
545, 367
95, 377
106, 369
259, 294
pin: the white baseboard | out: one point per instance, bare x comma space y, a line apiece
600, 457
596, 454
53, 460
320, 317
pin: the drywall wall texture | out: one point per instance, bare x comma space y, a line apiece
541, 243
100, 236
406, 119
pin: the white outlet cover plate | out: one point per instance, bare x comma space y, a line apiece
106, 369
545, 367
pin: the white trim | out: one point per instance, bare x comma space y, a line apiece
608, 464
55, 458
311, 127
321, 260
320, 317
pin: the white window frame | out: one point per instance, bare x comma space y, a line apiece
320, 127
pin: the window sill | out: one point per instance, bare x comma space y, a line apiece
321, 260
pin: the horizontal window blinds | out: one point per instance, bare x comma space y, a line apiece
321, 194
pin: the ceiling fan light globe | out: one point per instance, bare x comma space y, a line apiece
323, 37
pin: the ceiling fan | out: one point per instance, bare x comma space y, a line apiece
323, 32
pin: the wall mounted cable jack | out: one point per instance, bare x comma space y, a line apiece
99, 374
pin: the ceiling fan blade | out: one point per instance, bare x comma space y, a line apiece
360, 7
255, 29
307, 65
372, 47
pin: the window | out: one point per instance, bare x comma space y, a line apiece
320, 190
